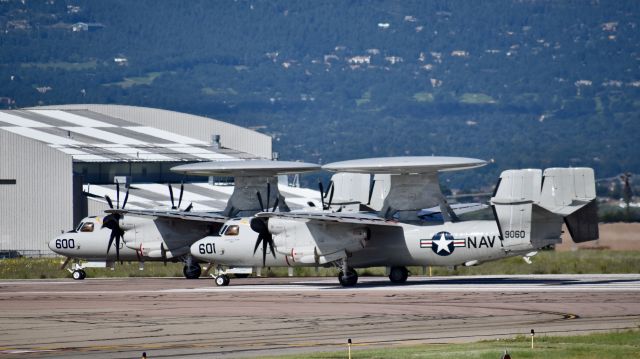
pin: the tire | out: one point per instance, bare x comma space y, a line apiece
77, 275
348, 280
192, 272
222, 280
398, 275
83, 274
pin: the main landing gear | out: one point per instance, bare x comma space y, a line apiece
398, 275
347, 277
192, 271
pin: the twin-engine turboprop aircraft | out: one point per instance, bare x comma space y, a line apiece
166, 235
529, 207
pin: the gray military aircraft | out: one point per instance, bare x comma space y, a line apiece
529, 208
167, 234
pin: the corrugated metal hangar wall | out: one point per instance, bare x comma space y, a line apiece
38, 187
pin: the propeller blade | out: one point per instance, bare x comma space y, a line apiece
330, 194
258, 241
264, 252
111, 238
264, 238
321, 193
275, 204
271, 247
373, 184
126, 197
117, 195
118, 236
260, 200
173, 206
109, 201
181, 192
112, 221
268, 195
188, 209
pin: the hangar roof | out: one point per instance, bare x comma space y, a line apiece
204, 196
89, 136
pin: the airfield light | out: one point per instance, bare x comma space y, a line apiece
533, 332
349, 347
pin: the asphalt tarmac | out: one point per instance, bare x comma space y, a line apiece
175, 317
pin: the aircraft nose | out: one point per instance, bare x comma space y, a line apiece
204, 249
52, 245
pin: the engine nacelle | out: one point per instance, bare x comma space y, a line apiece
313, 242
277, 226
156, 250
310, 255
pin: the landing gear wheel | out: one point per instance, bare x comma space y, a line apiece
398, 275
222, 280
78, 274
348, 280
192, 272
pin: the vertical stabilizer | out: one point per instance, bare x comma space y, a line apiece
512, 205
530, 206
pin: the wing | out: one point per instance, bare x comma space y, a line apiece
334, 217
183, 215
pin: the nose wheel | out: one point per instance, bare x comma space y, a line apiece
222, 280
79, 274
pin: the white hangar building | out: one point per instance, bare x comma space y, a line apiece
58, 162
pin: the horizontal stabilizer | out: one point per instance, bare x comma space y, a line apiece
566, 190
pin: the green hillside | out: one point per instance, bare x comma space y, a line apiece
522, 83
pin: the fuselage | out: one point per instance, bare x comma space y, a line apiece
89, 242
144, 239
447, 244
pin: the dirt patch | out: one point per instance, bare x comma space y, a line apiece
614, 236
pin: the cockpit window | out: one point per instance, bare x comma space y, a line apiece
222, 230
87, 227
232, 230
79, 226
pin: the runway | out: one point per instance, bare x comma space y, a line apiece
121, 318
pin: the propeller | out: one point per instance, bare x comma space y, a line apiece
265, 238
264, 208
112, 221
173, 204
323, 194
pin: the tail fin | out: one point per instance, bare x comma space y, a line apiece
530, 206
512, 205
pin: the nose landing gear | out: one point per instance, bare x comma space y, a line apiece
79, 274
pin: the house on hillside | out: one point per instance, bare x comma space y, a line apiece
86, 26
